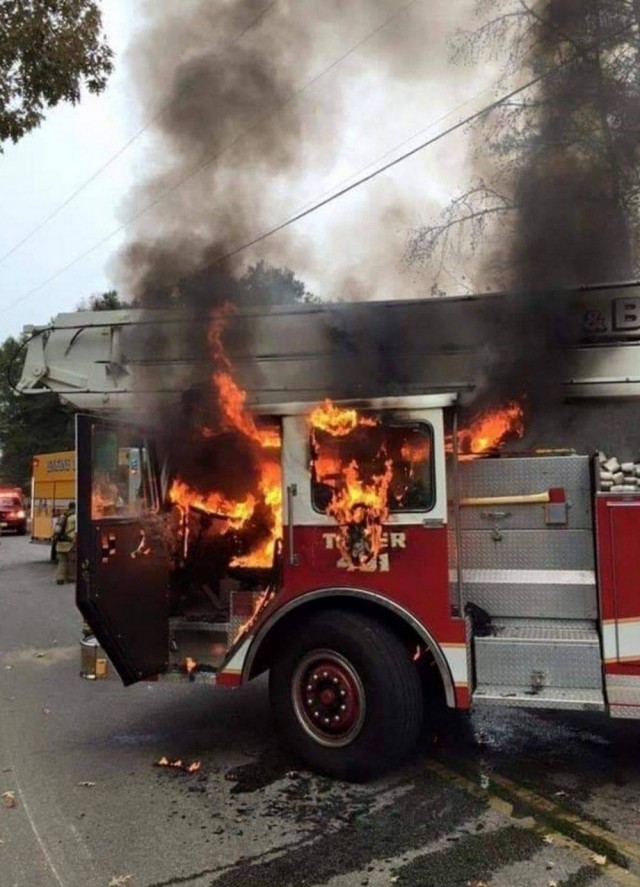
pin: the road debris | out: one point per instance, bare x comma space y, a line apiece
9, 799
598, 859
120, 880
179, 764
86, 784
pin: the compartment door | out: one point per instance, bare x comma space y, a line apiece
621, 604
123, 561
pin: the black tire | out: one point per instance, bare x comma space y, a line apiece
362, 656
22, 530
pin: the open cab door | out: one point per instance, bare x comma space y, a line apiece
123, 562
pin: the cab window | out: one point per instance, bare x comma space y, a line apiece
405, 450
121, 483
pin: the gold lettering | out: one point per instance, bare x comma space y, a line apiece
398, 540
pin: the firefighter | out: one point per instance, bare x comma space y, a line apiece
66, 546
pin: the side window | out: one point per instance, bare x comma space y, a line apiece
355, 463
122, 480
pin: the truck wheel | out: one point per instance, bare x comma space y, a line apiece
346, 695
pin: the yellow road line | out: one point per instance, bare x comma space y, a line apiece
610, 869
625, 846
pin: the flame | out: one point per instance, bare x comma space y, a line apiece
271, 490
354, 493
336, 421
234, 415
361, 507
190, 665
215, 504
257, 607
359, 500
490, 430
178, 764
416, 452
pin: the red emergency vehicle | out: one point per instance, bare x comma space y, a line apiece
417, 554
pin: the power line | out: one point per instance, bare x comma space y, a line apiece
405, 141
212, 157
364, 179
471, 118
111, 160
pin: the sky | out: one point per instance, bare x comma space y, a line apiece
45, 167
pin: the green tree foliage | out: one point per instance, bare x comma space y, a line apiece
109, 301
39, 423
554, 196
49, 49
28, 424
264, 284
261, 284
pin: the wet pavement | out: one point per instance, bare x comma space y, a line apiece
503, 798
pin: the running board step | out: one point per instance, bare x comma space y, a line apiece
550, 697
539, 654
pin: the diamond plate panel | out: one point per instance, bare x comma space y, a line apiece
546, 630
507, 661
528, 550
631, 712
523, 476
529, 601
577, 699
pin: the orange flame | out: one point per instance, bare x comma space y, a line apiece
354, 493
237, 513
178, 764
362, 505
489, 431
336, 421
359, 505
257, 607
231, 400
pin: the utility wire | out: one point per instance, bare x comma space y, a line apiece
471, 118
111, 160
215, 156
405, 141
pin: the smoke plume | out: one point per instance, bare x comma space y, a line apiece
256, 102
565, 157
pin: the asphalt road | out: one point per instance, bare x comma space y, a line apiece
505, 798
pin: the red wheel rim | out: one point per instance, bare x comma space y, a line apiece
328, 698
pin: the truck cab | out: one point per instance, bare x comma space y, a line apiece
171, 593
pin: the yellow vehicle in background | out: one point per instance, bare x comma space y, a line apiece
53, 486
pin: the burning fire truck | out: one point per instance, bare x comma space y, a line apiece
385, 551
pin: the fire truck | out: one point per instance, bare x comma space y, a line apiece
490, 561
